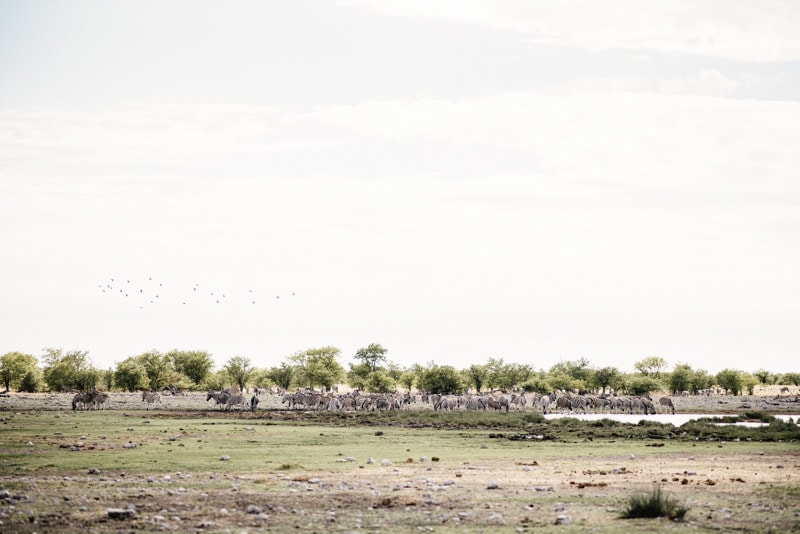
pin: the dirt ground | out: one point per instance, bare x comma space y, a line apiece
744, 487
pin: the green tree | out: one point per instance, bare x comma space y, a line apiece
196, 364
380, 382
239, 370
407, 380
791, 378
282, 376
730, 380
373, 355
158, 368
31, 382
68, 370
605, 377
642, 384
764, 377
358, 375
749, 383
474, 376
701, 380
444, 380
14, 366
537, 384
131, 375
651, 366
680, 379
318, 367
107, 378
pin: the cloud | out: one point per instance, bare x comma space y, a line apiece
754, 31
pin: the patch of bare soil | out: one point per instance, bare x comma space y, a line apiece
741, 491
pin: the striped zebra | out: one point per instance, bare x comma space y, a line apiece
236, 401
149, 398
667, 403
220, 398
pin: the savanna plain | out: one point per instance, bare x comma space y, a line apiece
185, 467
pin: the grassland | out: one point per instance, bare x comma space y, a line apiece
274, 471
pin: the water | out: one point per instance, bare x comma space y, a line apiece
677, 419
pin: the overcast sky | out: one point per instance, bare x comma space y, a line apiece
457, 181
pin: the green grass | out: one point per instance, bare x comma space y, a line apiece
653, 504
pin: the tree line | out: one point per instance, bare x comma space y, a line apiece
370, 370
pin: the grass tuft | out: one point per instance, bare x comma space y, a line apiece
653, 504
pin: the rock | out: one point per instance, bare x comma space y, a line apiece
495, 519
370, 460
563, 519
94, 471
484, 445
543, 488
120, 513
385, 462
129, 445
224, 458
253, 509
492, 485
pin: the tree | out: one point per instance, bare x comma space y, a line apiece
318, 367
30, 382
196, 364
358, 375
158, 368
764, 377
372, 355
380, 382
239, 370
407, 380
14, 366
537, 384
701, 380
791, 378
70, 370
680, 379
651, 366
605, 377
749, 383
444, 380
571, 374
474, 376
282, 376
730, 380
642, 384
131, 375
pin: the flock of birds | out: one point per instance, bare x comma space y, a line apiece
151, 292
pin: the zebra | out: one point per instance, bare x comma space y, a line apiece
667, 403
235, 400
220, 397
150, 398
79, 398
475, 403
545, 403
101, 400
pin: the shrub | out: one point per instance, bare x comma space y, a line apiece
653, 504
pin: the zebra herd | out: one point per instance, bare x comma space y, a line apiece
500, 402
230, 399
91, 400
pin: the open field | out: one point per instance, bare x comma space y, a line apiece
272, 471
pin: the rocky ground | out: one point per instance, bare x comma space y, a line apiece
727, 486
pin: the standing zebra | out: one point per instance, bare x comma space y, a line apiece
150, 398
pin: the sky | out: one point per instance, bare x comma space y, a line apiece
456, 181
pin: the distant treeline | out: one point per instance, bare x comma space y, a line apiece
371, 371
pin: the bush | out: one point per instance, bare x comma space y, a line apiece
654, 504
